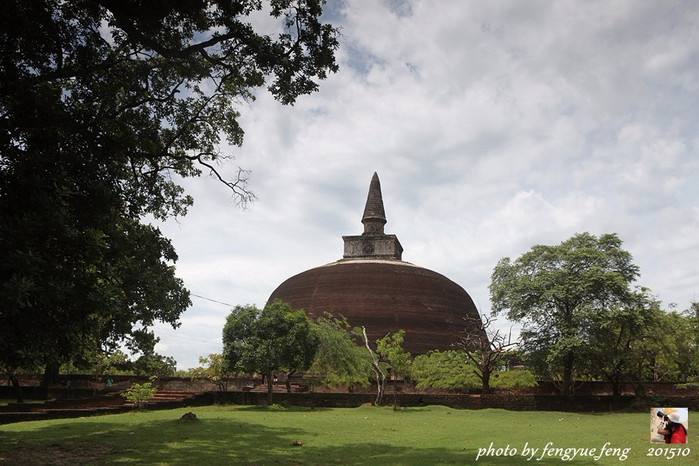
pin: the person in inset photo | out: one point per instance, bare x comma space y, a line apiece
674, 427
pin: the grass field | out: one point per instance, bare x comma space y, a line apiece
367, 435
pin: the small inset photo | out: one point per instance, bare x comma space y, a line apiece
669, 425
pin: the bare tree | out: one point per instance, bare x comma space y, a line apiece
485, 348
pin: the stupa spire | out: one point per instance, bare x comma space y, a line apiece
374, 217
373, 243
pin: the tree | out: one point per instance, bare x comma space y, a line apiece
615, 335
678, 356
104, 105
140, 393
379, 373
274, 339
486, 348
654, 352
389, 357
154, 364
212, 367
691, 341
396, 359
339, 360
554, 290
99, 364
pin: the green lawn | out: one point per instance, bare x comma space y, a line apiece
259, 436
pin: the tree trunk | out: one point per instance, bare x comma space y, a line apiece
486, 381
270, 388
376, 367
50, 377
17, 387
639, 389
382, 389
395, 395
567, 375
51, 372
288, 381
616, 389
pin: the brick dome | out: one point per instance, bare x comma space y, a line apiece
385, 296
372, 287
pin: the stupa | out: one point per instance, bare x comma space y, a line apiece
372, 286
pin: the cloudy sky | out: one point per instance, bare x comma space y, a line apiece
493, 126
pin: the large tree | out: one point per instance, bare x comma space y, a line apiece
618, 337
268, 341
555, 290
104, 106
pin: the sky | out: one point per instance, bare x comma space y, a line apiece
494, 126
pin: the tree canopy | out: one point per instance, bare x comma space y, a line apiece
389, 358
339, 360
556, 290
618, 339
392, 354
212, 367
104, 106
276, 338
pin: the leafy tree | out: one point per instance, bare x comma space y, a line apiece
389, 357
211, 367
396, 360
486, 349
274, 339
615, 335
555, 290
104, 105
444, 369
678, 358
139, 393
691, 317
339, 360
643, 343
99, 364
653, 352
393, 355
154, 364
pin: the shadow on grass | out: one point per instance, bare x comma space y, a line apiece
213, 441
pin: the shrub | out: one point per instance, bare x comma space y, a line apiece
443, 369
688, 386
513, 379
139, 393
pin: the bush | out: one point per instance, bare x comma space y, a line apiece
139, 393
443, 369
514, 379
688, 386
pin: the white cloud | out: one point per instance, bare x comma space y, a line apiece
493, 126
